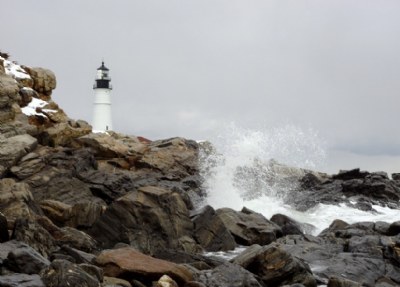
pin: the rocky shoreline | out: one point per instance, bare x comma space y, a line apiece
93, 209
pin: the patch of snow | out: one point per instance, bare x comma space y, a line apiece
30, 109
15, 70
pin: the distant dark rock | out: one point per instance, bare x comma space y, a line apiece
350, 174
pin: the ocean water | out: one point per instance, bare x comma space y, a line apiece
238, 173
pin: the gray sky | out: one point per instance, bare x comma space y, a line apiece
186, 68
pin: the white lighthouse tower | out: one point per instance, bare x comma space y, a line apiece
102, 120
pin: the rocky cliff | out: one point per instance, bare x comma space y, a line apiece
104, 209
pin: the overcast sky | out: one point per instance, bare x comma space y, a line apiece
186, 68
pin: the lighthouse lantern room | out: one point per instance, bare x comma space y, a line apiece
102, 120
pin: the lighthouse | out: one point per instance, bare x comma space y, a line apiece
102, 120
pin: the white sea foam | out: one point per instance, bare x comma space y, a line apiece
238, 174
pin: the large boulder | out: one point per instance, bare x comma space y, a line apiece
248, 227
210, 231
149, 219
131, 264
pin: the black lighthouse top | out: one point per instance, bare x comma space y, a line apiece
102, 80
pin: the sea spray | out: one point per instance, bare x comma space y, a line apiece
252, 168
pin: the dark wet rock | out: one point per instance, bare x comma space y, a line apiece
276, 267
366, 189
210, 231
25, 259
21, 280
4, 236
248, 227
350, 174
287, 224
396, 176
135, 265
62, 273
394, 228
228, 275
148, 219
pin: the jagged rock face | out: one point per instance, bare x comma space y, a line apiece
149, 219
